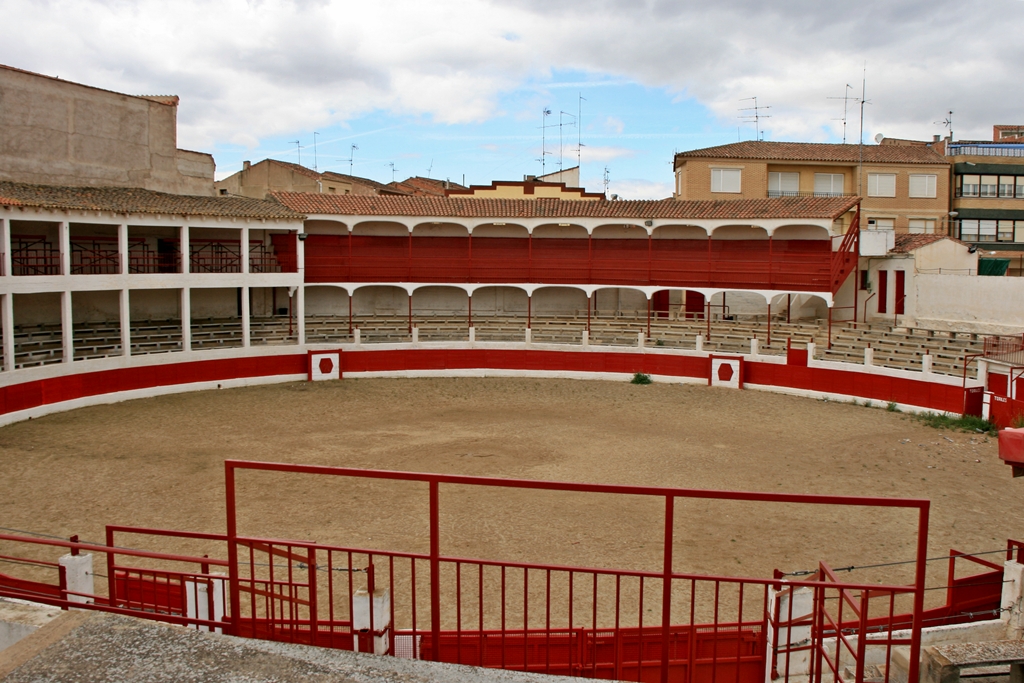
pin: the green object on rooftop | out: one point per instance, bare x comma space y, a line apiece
993, 266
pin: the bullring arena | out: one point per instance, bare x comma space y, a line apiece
406, 426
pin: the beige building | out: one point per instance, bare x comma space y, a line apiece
54, 132
905, 187
418, 186
531, 188
270, 175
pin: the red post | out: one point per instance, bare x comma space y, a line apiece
769, 322
919, 578
350, 312
789, 302
232, 534
588, 313
529, 305
830, 327
469, 299
648, 317
410, 314
435, 573
707, 317
666, 588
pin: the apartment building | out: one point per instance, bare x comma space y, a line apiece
988, 192
905, 187
270, 175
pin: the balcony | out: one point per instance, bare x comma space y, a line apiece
774, 194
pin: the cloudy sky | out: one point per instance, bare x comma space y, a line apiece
456, 89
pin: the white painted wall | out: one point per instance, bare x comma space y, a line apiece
970, 303
154, 304
214, 303
37, 309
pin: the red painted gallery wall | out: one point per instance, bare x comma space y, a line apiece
939, 397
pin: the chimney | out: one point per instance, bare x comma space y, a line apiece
936, 138
246, 165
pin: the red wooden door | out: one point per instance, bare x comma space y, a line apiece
883, 290
901, 290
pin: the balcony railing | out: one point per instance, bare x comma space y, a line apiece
773, 194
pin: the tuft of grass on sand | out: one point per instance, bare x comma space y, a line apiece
640, 378
963, 423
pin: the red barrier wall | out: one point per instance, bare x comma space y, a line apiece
935, 396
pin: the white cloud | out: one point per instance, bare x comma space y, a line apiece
247, 70
632, 188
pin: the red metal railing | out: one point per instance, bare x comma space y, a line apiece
95, 255
846, 257
1006, 349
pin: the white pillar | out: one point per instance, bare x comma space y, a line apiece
125, 312
186, 319
472, 335
586, 338
640, 340
356, 336
415, 334
67, 327
64, 242
5, 245
7, 322
529, 336
982, 369
245, 317
122, 248
753, 346
700, 342
186, 250
300, 314
1013, 586
869, 355
810, 351
926, 363
243, 249
79, 576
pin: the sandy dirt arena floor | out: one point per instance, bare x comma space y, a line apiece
159, 463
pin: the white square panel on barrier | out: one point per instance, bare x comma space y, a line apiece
324, 365
726, 372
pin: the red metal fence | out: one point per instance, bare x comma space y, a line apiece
661, 625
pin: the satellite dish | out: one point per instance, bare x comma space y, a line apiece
879, 138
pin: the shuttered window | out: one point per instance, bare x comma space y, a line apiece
922, 186
881, 184
725, 180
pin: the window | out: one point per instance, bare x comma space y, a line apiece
783, 184
865, 279
828, 184
881, 184
922, 225
725, 180
1004, 231
969, 230
987, 230
1018, 235
922, 185
1006, 185
1020, 187
988, 186
881, 223
970, 185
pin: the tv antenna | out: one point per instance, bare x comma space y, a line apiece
579, 131
392, 165
606, 178
846, 101
545, 113
755, 117
314, 151
430, 168
560, 124
298, 149
860, 141
351, 157
947, 123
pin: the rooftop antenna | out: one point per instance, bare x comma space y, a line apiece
351, 157
392, 165
430, 168
607, 177
298, 149
579, 132
863, 101
947, 123
545, 113
846, 100
560, 124
755, 117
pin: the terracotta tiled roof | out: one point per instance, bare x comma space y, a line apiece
813, 151
906, 243
133, 200
467, 207
380, 187
301, 170
425, 187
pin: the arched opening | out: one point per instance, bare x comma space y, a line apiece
679, 256
558, 314
619, 313
500, 253
620, 254
500, 313
381, 313
440, 313
327, 314
560, 254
